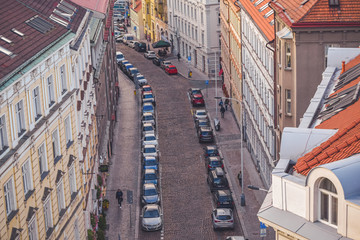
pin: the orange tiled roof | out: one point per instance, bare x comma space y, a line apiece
293, 12
259, 16
138, 6
345, 142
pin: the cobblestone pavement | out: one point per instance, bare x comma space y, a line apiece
186, 197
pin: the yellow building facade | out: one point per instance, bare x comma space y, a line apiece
43, 158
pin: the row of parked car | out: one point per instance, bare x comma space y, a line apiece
131, 71
151, 213
167, 66
222, 215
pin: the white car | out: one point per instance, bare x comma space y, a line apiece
151, 217
141, 80
150, 139
200, 114
150, 54
148, 118
150, 150
132, 44
119, 56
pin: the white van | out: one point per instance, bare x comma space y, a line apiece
128, 37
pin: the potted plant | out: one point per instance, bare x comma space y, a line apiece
105, 204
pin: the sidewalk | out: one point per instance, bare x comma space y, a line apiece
228, 139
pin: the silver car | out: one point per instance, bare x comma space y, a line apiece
148, 118
150, 54
150, 194
151, 217
150, 139
222, 218
200, 114
148, 128
149, 150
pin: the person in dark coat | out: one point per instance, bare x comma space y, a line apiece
222, 110
119, 196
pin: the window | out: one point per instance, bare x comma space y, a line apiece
60, 197
147, 8
76, 230
32, 229
3, 135
288, 101
20, 118
56, 146
72, 180
47, 214
202, 18
50, 85
288, 55
333, 3
63, 79
27, 177
68, 136
36, 100
202, 38
9, 194
42, 160
328, 202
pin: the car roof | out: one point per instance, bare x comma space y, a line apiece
198, 95
212, 147
149, 134
148, 158
148, 171
149, 146
147, 104
148, 114
150, 51
224, 211
118, 53
149, 185
148, 93
223, 192
133, 68
169, 66
219, 171
152, 207
214, 158
200, 110
206, 129
148, 124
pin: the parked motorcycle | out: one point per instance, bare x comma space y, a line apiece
217, 124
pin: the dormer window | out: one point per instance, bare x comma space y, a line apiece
328, 202
333, 3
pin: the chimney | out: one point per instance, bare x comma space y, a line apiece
343, 67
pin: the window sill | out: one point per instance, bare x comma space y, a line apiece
21, 133
62, 212
43, 175
51, 104
288, 115
69, 143
49, 232
73, 196
28, 194
57, 159
63, 91
11, 215
287, 69
38, 117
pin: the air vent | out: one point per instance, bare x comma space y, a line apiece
40, 24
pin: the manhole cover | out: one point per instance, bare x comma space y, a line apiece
129, 196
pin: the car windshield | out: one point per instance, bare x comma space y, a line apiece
196, 92
150, 176
198, 98
215, 163
151, 52
140, 77
148, 96
119, 56
150, 117
203, 123
150, 138
151, 213
221, 181
147, 89
224, 217
150, 192
201, 113
212, 152
225, 198
150, 162
148, 108
149, 128
129, 66
134, 71
172, 68
149, 150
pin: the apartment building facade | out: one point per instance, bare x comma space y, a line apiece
305, 30
41, 84
194, 31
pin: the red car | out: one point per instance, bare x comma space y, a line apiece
197, 100
171, 69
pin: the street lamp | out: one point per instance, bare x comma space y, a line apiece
242, 198
256, 188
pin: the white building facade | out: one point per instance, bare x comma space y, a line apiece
194, 28
258, 88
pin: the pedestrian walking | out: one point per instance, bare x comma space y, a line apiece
226, 104
240, 178
178, 56
222, 110
119, 196
221, 103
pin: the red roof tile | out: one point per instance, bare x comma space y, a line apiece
259, 18
343, 144
293, 12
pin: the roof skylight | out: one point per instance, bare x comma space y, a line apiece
5, 39
268, 14
7, 52
17, 32
258, 2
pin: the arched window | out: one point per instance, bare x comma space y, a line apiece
328, 202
